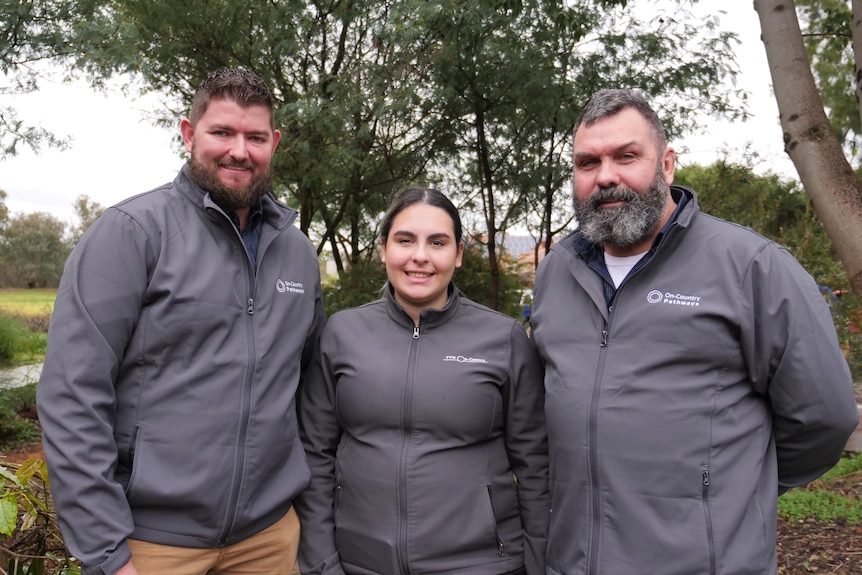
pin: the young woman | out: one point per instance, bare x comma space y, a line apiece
423, 422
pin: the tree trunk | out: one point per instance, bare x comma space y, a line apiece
828, 179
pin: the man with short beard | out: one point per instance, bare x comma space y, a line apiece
183, 322
692, 370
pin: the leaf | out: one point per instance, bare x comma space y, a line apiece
8, 514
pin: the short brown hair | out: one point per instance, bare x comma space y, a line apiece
241, 86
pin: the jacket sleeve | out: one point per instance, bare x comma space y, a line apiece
527, 445
98, 304
793, 357
320, 432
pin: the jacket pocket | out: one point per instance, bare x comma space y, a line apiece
710, 537
130, 468
497, 540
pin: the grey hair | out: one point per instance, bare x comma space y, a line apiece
606, 103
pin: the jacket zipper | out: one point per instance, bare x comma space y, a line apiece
708, 515
407, 433
245, 396
594, 450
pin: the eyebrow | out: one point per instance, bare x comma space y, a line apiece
616, 150
409, 234
228, 128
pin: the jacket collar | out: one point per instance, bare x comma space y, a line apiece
427, 317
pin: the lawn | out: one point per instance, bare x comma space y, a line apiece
28, 302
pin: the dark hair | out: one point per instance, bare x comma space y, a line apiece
417, 195
241, 86
606, 103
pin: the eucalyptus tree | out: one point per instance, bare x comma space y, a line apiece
818, 155
512, 76
479, 96
351, 130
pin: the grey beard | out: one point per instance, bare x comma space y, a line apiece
625, 226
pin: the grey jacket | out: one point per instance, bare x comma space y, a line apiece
675, 419
167, 395
413, 436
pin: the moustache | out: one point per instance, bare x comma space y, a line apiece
612, 194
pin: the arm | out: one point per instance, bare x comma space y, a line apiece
320, 432
794, 359
97, 307
527, 445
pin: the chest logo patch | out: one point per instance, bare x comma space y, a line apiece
657, 296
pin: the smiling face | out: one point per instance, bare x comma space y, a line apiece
231, 150
421, 254
621, 182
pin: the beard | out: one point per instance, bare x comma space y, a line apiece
628, 225
232, 198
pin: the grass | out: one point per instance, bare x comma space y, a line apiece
824, 500
28, 302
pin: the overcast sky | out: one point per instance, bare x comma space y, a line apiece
117, 152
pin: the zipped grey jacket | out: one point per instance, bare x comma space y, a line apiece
675, 418
167, 394
413, 436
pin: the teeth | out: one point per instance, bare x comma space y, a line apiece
418, 275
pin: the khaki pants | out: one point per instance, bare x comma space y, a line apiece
270, 552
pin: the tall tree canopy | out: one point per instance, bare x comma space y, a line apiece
477, 97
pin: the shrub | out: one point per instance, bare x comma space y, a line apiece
17, 416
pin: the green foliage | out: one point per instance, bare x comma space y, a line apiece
821, 501
359, 284
17, 342
29, 534
472, 279
33, 251
374, 95
17, 412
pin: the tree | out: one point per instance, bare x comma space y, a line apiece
86, 211
478, 96
825, 173
31, 32
828, 41
32, 252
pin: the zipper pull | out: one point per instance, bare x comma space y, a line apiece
416, 332
250, 308
500, 548
706, 478
604, 342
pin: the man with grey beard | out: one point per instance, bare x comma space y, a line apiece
184, 320
692, 370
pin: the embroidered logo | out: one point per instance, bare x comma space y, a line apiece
462, 359
656, 296
289, 286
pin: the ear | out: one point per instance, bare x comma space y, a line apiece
383, 251
188, 132
460, 255
668, 165
276, 137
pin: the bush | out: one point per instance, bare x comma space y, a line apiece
18, 344
18, 416
832, 498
